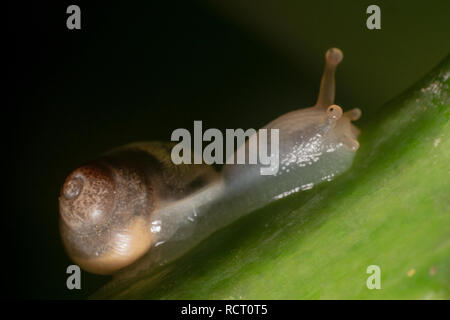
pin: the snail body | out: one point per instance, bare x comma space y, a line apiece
134, 202
315, 145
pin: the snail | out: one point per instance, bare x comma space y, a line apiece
134, 204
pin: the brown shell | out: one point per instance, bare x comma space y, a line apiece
106, 205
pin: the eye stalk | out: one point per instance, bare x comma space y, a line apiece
333, 57
353, 114
339, 121
334, 112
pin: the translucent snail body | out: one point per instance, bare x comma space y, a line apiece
134, 204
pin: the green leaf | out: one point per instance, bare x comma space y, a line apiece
391, 209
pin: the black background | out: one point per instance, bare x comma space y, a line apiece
137, 71
133, 72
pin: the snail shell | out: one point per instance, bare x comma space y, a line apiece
106, 205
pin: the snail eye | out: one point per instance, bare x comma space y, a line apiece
334, 112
